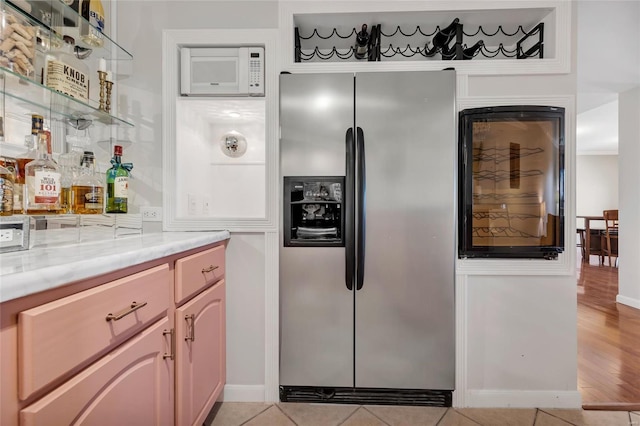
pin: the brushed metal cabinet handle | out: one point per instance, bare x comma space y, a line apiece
191, 330
173, 344
134, 307
209, 269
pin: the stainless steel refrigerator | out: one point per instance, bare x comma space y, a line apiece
368, 168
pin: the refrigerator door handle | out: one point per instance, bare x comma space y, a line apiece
350, 247
361, 183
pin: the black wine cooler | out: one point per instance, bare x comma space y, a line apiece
511, 182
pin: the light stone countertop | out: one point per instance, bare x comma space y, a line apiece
26, 272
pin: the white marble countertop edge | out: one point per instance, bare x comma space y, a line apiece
22, 274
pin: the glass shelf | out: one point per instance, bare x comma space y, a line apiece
29, 93
57, 12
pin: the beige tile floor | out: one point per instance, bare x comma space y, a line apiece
298, 414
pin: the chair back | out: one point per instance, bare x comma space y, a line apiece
610, 220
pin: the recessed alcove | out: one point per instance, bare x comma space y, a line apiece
209, 182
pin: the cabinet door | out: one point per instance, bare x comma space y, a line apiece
200, 355
130, 386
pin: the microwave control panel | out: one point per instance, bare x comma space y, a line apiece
256, 71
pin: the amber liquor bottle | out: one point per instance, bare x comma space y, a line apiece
87, 191
6, 192
42, 177
23, 159
117, 183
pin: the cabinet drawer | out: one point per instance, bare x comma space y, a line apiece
57, 337
198, 271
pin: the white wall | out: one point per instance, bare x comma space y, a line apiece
139, 30
596, 184
629, 151
520, 331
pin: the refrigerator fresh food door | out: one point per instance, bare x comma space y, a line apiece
404, 333
316, 307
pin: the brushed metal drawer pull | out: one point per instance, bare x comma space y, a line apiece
173, 344
134, 307
192, 335
209, 269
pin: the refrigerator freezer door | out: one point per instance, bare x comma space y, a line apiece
404, 333
316, 307
316, 110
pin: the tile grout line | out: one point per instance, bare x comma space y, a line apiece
463, 415
285, 414
349, 416
559, 418
248, 420
374, 415
341, 422
443, 415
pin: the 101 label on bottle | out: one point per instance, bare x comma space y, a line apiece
47, 187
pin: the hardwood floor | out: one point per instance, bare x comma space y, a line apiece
608, 341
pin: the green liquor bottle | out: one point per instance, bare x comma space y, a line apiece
118, 183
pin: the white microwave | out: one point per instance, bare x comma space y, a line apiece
222, 71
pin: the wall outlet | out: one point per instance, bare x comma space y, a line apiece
151, 214
6, 235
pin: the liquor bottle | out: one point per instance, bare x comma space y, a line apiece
93, 24
11, 165
118, 183
71, 20
37, 124
442, 39
470, 52
22, 160
6, 192
66, 73
42, 177
87, 191
362, 42
69, 168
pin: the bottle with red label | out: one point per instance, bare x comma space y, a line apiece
42, 177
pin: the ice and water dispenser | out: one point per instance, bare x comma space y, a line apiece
314, 211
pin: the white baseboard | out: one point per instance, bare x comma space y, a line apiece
243, 393
522, 399
634, 303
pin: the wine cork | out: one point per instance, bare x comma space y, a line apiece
7, 45
25, 50
22, 30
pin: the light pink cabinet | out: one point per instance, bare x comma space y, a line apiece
200, 355
111, 350
200, 334
197, 272
56, 337
131, 386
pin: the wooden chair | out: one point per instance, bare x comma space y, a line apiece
610, 233
581, 243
